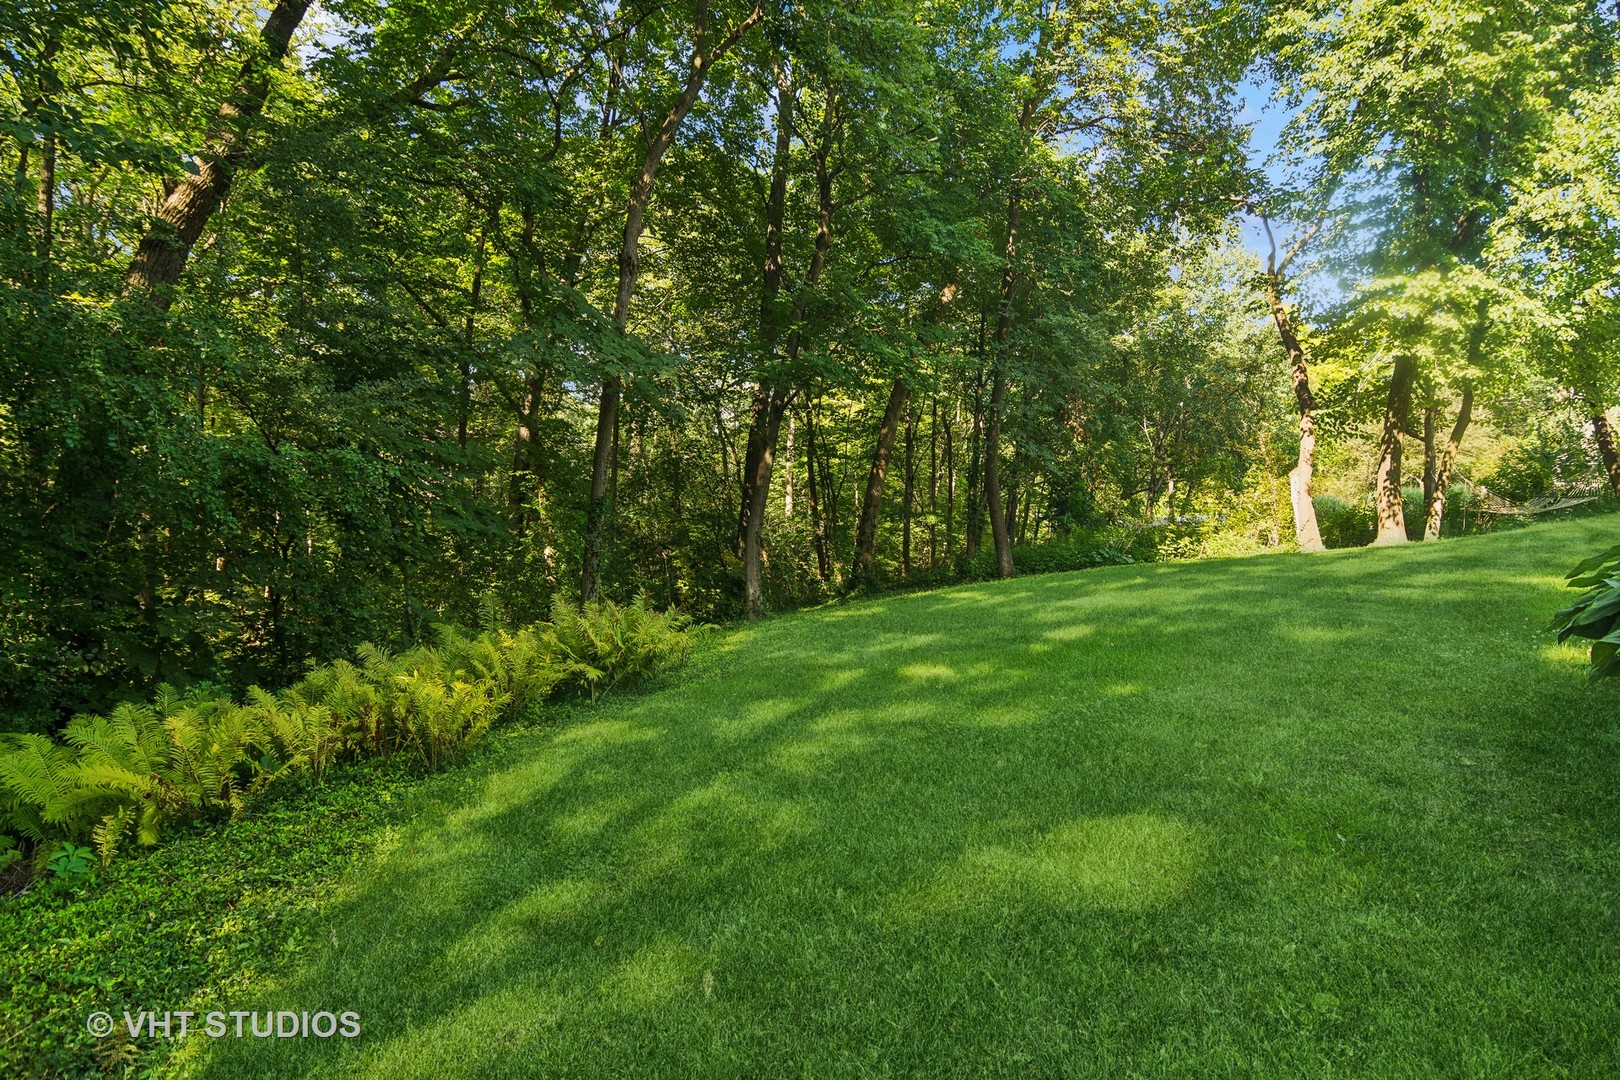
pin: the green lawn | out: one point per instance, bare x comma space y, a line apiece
1351, 814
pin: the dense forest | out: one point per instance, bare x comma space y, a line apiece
322, 324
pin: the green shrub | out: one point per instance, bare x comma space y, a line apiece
1344, 524
1596, 615
1084, 550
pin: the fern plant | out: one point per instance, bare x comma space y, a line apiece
140, 767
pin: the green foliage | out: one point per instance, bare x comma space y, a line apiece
141, 768
71, 861
1596, 615
1344, 524
604, 643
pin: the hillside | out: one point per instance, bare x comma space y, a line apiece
1351, 814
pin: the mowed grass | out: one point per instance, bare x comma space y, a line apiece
1352, 814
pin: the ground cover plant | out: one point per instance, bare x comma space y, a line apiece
204, 754
1346, 814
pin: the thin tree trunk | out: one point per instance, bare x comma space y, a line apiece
47, 185
1391, 516
908, 492
1434, 502
759, 494
525, 454
1604, 434
933, 480
1436, 506
865, 569
975, 526
474, 293
629, 266
1428, 456
759, 411
787, 472
765, 394
161, 256
814, 482
950, 487
998, 390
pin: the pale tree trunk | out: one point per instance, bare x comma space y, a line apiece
1307, 535
1436, 509
1604, 434
161, 256
1391, 516
607, 413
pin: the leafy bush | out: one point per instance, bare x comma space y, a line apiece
1344, 524
1596, 615
200, 755
1109, 546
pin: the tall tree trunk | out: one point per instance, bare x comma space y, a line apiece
161, 256
908, 492
1307, 534
865, 569
759, 496
933, 480
787, 472
813, 484
525, 452
1391, 516
950, 486
765, 393
473, 295
1604, 434
607, 411
1428, 456
759, 412
1435, 509
777, 402
975, 522
47, 182
1434, 499
998, 392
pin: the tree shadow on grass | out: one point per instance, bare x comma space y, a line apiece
960, 835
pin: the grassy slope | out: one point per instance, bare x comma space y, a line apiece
1350, 814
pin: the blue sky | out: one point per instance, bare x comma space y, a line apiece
1268, 119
